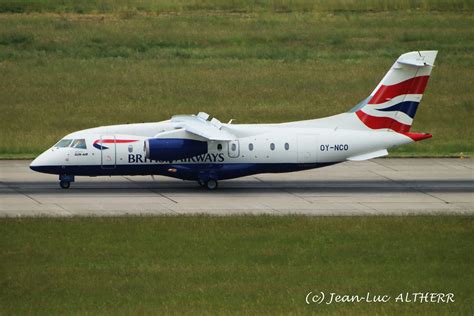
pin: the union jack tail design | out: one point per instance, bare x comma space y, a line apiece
393, 103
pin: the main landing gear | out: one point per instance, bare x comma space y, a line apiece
210, 184
64, 184
65, 181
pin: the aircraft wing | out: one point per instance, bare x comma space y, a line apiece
200, 125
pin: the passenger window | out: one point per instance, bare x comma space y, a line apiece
63, 143
250, 146
272, 146
233, 147
219, 147
287, 146
79, 144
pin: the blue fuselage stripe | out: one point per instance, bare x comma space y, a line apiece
181, 171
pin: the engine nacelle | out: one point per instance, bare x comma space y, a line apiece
167, 149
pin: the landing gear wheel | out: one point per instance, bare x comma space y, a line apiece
202, 183
64, 184
211, 184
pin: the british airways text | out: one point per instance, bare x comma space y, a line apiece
209, 157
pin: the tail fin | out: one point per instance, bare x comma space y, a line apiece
393, 103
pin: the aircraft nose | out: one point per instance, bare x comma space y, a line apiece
37, 163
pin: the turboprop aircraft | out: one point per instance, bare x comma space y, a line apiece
201, 148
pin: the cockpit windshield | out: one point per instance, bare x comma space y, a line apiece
63, 143
79, 143
73, 143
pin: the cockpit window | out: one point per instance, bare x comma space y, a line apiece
63, 143
79, 143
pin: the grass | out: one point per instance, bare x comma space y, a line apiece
228, 265
279, 6
65, 72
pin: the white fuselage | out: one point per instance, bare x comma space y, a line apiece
119, 149
198, 147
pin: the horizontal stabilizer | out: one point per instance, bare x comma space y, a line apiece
418, 59
374, 154
414, 62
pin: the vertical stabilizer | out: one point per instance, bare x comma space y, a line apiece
394, 102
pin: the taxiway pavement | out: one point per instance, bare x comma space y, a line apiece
376, 187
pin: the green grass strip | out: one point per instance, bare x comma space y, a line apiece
227, 265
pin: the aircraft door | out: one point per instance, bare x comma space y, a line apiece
108, 153
234, 149
307, 148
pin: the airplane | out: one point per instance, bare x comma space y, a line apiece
203, 149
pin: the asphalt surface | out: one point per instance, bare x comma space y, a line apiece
376, 187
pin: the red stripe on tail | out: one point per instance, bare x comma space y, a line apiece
375, 122
414, 85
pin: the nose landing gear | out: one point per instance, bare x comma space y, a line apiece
65, 181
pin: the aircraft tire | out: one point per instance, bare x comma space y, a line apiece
211, 184
64, 184
202, 183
